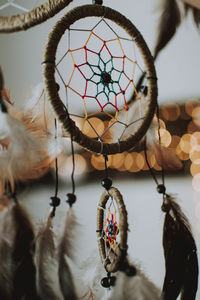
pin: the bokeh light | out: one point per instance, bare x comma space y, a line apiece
91, 125
170, 112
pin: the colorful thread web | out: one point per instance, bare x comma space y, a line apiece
112, 229
110, 232
108, 78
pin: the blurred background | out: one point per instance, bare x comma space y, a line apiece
177, 66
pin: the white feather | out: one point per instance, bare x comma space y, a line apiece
136, 287
46, 263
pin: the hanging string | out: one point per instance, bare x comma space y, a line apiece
71, 197
56, 163
55, 200
106, 167
73, 167
106, 182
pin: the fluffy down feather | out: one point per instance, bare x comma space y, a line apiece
137, 287
134, 288
22, 155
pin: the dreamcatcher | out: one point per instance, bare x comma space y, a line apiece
107, 56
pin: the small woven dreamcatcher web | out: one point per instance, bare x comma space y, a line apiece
99, 72
110, 233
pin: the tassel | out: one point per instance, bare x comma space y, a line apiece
180, 254
66, 250
24, 274
169, 21
46, 263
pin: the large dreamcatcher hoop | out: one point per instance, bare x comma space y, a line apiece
32, 18
96, 145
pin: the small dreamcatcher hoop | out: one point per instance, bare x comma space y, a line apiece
60, 109
32, 18
112, 252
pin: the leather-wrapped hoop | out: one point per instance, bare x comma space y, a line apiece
121, 250
32, 18
51, 86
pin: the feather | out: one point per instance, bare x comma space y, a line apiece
180, 253
194, 7
165, 157
24, 286
169, 21
66, 249
46, 263
192, 3
23, 154
134, 287
6, 245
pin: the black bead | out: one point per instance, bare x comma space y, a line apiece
106, 183
161, 189
97, 2
71, 199
105, 282
131, 271
112, 280
54, 201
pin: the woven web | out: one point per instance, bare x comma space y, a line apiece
111, 229
101, 77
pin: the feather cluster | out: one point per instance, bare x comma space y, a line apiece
180, 252
27, 147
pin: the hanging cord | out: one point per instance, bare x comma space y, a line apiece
107, 181
71, 197
160, 187
55, 200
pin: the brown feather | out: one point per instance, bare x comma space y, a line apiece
24, 275
170, 19
167, 158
